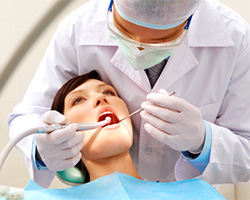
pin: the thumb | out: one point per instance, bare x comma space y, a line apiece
53, 117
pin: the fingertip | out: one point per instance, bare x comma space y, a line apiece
156, 133
75, 159
142, 113
73, 127
53, 117
79, 156
61, 119
150, 96
80, 134
147, 127
163, 91
143, 104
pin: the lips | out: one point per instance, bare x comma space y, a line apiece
108, 112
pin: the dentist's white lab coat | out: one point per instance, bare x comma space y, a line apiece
211, 70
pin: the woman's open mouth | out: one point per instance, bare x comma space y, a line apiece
113, 117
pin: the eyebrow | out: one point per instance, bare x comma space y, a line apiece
73, 92
103, 84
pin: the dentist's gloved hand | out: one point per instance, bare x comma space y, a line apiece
174, 122
59, 149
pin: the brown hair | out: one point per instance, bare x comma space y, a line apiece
58, 104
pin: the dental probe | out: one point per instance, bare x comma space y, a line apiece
45, 129
132, 114
139, 110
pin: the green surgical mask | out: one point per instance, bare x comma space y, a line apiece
146, 58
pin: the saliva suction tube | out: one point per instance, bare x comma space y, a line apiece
80, 126
47, 129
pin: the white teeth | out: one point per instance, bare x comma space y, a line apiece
105, 113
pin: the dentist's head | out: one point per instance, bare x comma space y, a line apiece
148, 31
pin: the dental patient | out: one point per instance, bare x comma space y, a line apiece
105, 153
86, 99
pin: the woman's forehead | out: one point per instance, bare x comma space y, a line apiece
89, 85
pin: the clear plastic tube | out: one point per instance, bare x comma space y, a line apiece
45, 129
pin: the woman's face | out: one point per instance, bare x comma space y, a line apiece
91, 102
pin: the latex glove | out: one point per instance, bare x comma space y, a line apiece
59, 149
174, 121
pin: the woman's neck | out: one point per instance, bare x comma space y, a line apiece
120, 163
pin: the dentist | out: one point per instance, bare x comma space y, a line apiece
198, 48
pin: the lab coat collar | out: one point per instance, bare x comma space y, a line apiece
178, 65
137, 76
207, 27
97, 34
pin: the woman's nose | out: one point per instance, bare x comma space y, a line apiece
101, 99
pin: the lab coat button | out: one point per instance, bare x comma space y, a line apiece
149, 150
